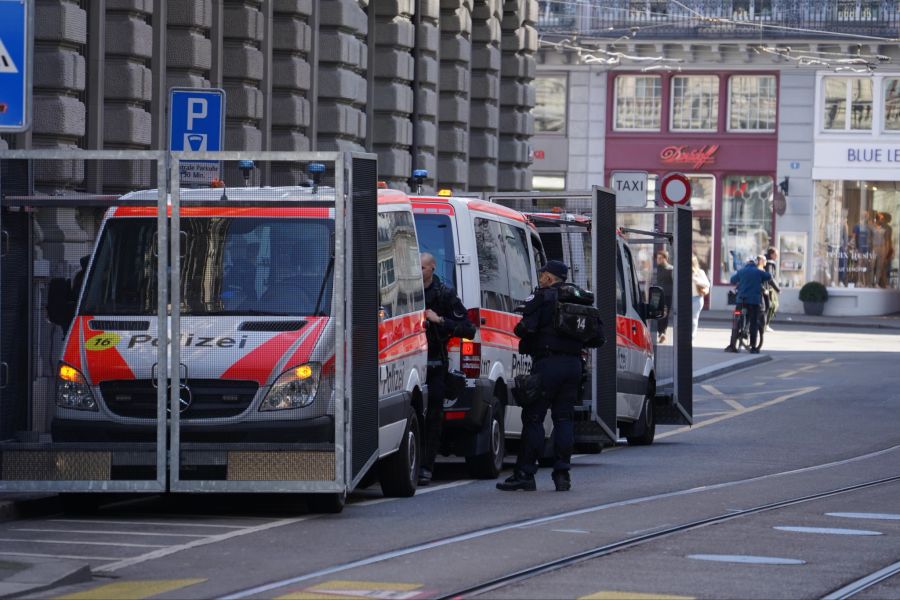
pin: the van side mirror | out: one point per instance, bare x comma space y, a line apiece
60, 302
656, 304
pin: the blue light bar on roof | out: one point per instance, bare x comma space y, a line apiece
246, 164
315, 168
420, 174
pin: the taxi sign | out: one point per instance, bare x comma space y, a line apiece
630, 188
674, 189
16, 51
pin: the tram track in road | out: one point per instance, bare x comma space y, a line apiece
600, 551
265, 590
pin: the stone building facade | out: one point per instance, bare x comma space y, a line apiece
443, 85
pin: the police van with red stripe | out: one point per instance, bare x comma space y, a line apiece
257, 344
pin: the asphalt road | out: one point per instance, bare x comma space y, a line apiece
820, 417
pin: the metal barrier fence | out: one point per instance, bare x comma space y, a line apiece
661, 243
228, 370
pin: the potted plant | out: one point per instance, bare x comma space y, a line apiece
813, 295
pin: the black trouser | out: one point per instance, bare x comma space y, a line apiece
753, 316
561, 377
434, 416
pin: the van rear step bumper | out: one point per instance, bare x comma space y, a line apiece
307, 431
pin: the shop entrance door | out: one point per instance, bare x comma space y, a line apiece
703, 201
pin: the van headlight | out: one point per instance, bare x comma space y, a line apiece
72, 390
294, 388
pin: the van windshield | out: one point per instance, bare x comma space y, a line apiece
229, 266
436, 237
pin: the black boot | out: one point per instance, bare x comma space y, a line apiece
561, 481
518, 481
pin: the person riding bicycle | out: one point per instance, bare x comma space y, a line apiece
749, 281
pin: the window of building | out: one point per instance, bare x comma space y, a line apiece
855, 237
891, 104
550, 104
548, 183
695, 102
746, 220
751, 103
843, 92
638, 102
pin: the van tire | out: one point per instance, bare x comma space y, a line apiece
399, 472
645, 426
326, 503
490, 464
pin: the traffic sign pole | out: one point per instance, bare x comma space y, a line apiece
16, 54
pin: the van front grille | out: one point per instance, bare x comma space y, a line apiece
210, 398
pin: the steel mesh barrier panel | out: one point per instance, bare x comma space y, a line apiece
80, 302
604, 245
254, 297
684, 367
364, 314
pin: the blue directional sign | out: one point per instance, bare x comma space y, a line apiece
16, 40
197, 124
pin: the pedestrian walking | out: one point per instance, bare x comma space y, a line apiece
446, 318
556, 375
665, 280
699, 291
771, 288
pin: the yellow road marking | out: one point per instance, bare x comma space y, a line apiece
632, 596
718, 394
712, 414
131, 590
731, 415
733, 403
797, 370
354, 590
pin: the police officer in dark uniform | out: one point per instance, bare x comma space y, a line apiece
446, 318
557, 360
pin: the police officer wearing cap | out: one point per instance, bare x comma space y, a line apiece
556, 359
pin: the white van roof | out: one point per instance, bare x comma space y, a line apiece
243, 194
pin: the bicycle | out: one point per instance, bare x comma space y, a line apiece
740, 327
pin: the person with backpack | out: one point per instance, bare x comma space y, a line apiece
555, 375
446, 318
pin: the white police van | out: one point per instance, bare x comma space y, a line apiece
489, 254
257, 343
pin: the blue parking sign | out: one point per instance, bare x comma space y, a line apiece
197, 124
16, 39
196, 119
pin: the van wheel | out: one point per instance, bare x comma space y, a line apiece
326, 503
645, 428
399, 472
490, 464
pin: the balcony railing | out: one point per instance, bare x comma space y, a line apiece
769, 19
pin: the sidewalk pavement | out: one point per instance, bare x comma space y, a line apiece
22, 575
877, 322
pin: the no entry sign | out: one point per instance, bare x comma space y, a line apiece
675, 189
